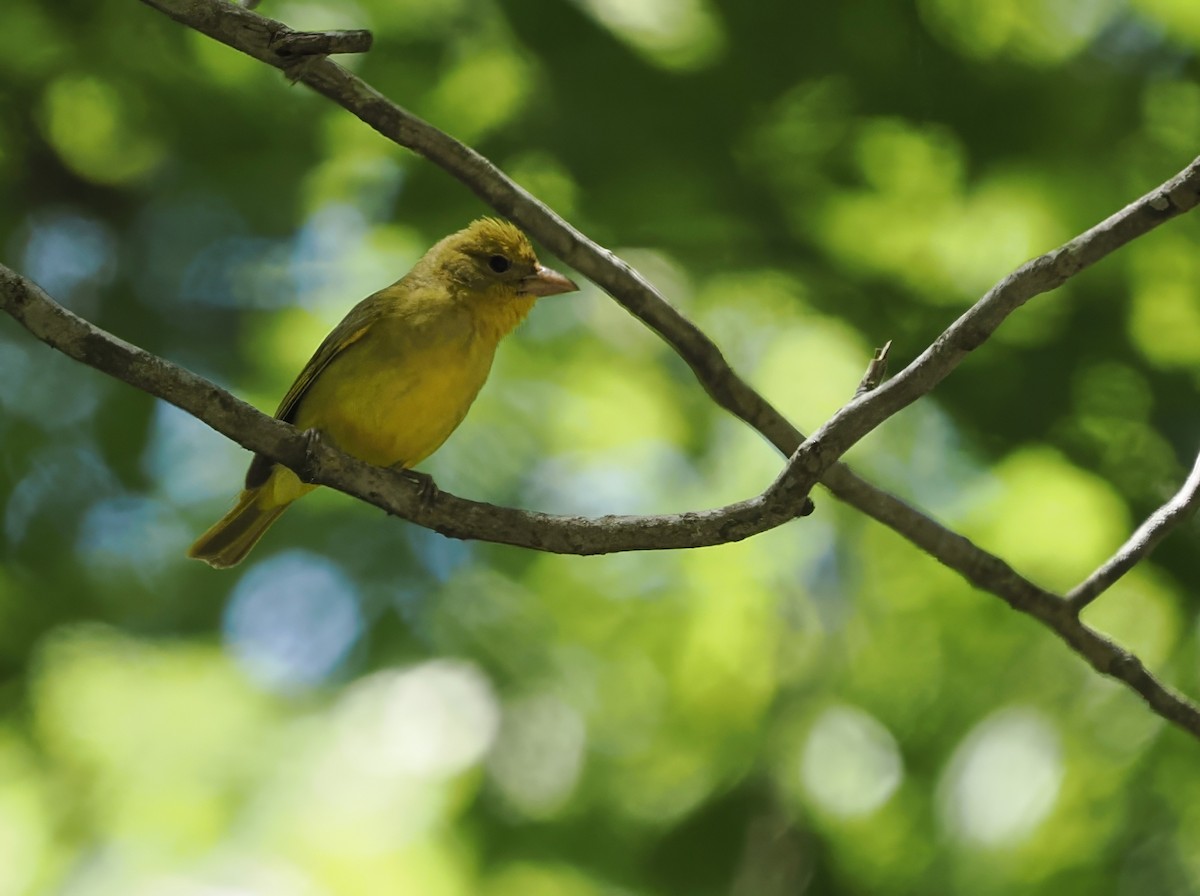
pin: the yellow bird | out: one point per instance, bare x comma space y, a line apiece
397, 375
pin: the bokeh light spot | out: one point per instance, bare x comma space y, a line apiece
1180, 18
538, 756
1141, 613
93, 129
1165, 323
682, 34
45, 387
188, 461
57, 479
1003, 779
292, 620
25, 817
132, 532
1036, 32
456, 100
65, 252
433, 720
851, 764
1042, 497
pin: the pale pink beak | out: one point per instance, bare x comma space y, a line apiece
545, 282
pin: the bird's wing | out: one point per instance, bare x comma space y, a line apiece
344, 335
352, 328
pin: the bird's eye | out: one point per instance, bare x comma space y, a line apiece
499, 264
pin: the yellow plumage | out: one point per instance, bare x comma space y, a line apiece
398, 374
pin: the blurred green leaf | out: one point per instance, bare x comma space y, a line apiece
369, 708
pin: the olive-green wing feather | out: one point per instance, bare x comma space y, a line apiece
344, 335
352, 328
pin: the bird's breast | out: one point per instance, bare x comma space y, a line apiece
394, 397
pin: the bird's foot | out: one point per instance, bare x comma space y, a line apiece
294, 69
313, 440
427, 488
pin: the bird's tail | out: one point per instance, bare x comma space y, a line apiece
232, 536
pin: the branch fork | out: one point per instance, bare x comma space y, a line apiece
809, 461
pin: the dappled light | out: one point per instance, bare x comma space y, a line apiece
70, 255
1035, 32
292, 620
851, 764
539, 755
1003, 780
1040, 496
367, 707
117, 533
673, 33
93, 128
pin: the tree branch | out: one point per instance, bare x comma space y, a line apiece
252, 34
875, 371
257, 36
1046, 272
1156, 527
316, 461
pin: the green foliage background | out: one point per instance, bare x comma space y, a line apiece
368, 708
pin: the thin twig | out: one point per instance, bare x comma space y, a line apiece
1156, 527
1042, 274
253, 35
876, 370
319, 462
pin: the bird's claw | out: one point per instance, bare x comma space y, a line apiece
312, 443
427, 488
294, 69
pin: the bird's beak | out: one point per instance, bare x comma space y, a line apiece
545, 282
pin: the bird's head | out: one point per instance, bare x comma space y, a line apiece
491, 259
